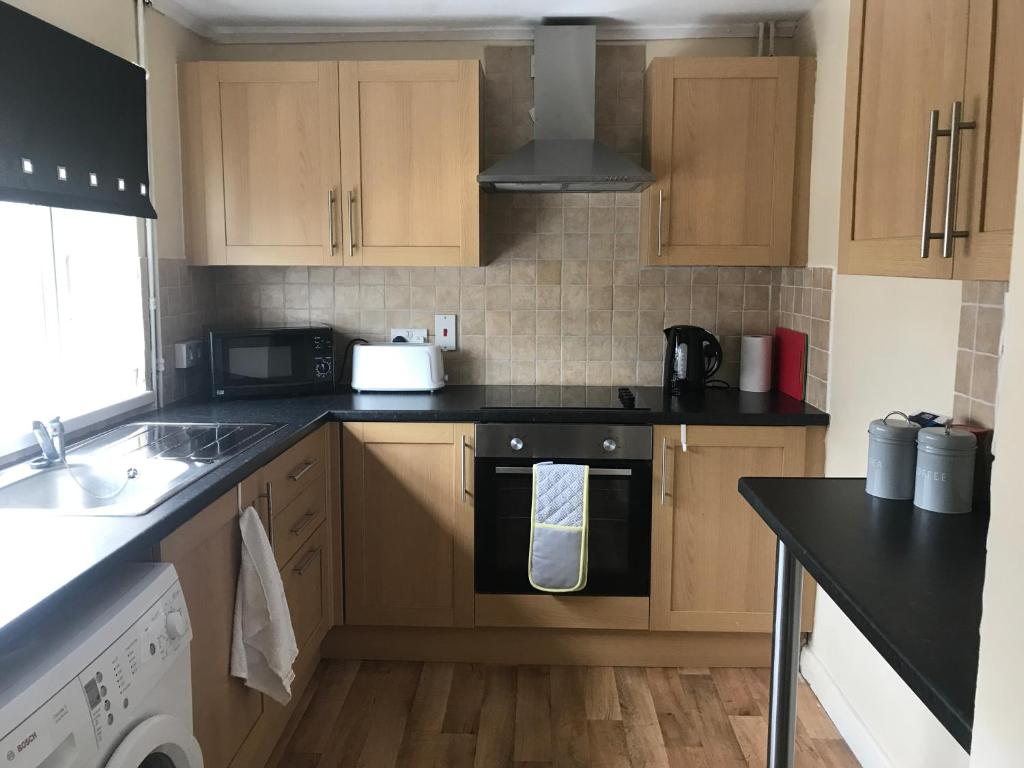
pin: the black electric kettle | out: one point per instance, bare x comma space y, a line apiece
692, 356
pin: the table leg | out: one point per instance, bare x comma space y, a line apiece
785, 658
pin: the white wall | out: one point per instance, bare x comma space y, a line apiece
999, 705
110, 24
893, 347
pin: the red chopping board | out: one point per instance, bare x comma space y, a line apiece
791, 363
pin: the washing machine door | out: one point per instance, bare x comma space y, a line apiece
162, 741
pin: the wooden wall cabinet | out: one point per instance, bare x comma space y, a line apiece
905, 60
410, 138
712, 557
236, 726
261, 162
408, 524
277, 171
721, 137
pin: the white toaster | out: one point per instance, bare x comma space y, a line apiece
397, 367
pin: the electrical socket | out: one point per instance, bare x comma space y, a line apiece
414, 335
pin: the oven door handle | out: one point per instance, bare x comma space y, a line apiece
604, 471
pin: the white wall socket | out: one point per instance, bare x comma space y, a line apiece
414, 335
188, 354
444, 332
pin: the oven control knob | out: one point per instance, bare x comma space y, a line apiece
516, 443
609, 445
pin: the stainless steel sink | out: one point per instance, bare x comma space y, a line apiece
127, 470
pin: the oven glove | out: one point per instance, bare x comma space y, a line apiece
559, 527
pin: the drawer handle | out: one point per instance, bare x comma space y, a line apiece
301, 525
307, 465
303, 566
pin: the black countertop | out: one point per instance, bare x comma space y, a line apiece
46, 555
909, 579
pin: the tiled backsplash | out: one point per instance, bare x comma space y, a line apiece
186, 306
977, 357
526, 319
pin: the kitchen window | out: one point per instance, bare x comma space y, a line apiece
72, 320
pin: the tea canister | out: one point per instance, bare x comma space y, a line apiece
945, 470
892, 456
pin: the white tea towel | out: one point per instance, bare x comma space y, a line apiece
263, 645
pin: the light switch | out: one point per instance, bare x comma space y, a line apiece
444, 332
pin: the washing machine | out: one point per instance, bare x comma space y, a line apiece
103, 679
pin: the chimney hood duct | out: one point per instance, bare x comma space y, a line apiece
564, 156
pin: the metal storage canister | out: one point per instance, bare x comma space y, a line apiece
892, 454
945, 470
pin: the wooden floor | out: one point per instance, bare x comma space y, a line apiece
382, 714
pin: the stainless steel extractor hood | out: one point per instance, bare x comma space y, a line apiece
564, 156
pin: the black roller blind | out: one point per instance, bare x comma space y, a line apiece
72, 121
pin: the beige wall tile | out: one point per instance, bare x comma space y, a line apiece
989, 328
523, 297
964, 369
984, 378
549, 297
549, 347
524, 322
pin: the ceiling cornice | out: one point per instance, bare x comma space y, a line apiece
329, 33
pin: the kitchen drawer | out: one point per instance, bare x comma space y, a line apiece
305, 585
296, 469
293, 524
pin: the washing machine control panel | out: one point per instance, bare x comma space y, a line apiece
126, 672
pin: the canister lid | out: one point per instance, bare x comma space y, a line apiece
956, 440
899, 430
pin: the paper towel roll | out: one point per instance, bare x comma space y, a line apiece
756, 363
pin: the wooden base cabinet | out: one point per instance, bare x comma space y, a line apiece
408, 524
721, 136
206, 552
236, 726
907, 59
712, 557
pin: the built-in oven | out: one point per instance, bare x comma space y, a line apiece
619, 457
289, 360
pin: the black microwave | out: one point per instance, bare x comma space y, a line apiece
288, 360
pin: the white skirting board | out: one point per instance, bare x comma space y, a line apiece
847, 721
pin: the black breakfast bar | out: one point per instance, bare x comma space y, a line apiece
910, 581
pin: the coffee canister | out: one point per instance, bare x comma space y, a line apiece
945, 470
892, 455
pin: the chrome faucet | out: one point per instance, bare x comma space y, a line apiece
51, 443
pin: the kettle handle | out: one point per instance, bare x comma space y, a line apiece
713, 363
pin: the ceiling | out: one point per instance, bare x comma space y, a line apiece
252, 20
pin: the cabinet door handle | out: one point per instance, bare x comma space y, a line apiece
302, 566
949, 231
462, 470
661, 206
269, 496
307, 465
664, 468
300, 526
929, 184
351, 223
330, 221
